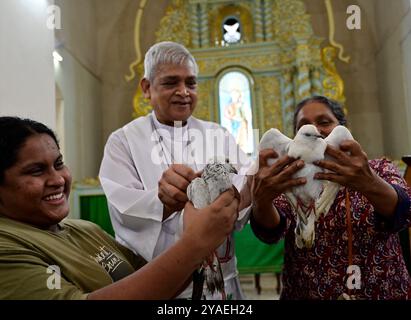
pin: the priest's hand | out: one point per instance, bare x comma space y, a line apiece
172, 188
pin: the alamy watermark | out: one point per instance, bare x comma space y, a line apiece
54, 281
354, 277
53, 17
354, 19
195, 147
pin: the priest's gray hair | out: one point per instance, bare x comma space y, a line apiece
167, 52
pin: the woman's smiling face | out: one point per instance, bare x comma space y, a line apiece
36, 188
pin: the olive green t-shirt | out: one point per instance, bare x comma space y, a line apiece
66, 264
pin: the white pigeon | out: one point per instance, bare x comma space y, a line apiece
274, 139
315, 197
334, 139
309, 146
214, 180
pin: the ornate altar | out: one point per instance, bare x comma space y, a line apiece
269, 44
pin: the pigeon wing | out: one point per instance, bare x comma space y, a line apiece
338, 135
334, 139
274, 139
198, 194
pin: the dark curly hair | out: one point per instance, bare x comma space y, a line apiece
14, 132
333, 105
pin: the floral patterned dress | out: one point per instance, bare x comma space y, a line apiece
321, 272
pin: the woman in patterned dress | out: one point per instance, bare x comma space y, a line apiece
379, 206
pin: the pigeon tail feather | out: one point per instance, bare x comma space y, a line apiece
324, 203
214, 276
305, 227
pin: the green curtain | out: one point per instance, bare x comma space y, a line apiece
95, 209
254, 256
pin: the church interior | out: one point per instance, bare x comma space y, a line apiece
75, 65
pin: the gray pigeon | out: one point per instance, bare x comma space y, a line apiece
202, 191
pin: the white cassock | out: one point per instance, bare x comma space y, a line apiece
133, 163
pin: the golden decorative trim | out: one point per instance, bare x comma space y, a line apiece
88, 182
270, 92
205, 100
175, 25
135, 63
333, 84
291, 23
141, 105
331, 23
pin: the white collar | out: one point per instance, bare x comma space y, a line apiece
179, 131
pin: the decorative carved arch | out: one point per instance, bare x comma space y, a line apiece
283, 56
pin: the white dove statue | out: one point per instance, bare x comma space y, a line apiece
315, 197
232, 35
215, 179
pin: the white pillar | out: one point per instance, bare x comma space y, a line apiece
27, 86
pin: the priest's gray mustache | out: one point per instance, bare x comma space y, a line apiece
196, 147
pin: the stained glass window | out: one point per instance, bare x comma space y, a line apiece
235, 109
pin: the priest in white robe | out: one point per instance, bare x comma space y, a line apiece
149, 162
